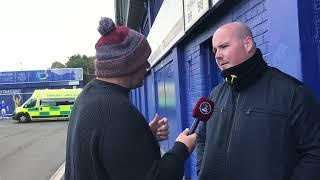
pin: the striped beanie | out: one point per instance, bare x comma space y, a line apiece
120, 50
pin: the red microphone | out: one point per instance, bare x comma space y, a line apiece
202, 111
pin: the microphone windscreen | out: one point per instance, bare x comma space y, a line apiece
203, 109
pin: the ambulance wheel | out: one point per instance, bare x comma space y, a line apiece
24, 117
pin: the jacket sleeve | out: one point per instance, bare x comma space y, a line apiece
130, 151
201, 139
171, 165
305, 116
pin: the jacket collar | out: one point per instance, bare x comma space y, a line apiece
245, 74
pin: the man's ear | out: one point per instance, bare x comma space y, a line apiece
248, 44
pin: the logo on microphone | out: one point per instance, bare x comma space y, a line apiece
205, 108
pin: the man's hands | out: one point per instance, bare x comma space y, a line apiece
188, 140
159, 127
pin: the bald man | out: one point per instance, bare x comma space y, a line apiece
266, 124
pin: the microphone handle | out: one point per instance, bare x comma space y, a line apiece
194, 126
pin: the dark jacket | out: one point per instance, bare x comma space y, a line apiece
109, 139
268, 130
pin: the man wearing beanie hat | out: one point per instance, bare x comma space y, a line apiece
108, 138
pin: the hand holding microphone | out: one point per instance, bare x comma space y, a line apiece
202, 111
188, 140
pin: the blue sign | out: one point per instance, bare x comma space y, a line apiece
37, 76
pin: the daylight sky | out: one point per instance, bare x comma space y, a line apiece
35, 33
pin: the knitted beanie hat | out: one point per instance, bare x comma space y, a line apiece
120, 50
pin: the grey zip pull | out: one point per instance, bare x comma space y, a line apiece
248, 111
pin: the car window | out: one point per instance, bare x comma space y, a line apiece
56, 101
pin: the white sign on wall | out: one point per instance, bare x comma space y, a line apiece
166, 30
174, 18
215, 3
72, 83
193, 11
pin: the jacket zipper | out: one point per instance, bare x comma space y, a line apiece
233, 124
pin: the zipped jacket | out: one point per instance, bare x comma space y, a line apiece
267, 131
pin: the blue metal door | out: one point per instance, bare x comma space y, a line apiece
169, 87
161, 101
166, 102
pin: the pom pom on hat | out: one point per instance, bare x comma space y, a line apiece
105, 26
120, 50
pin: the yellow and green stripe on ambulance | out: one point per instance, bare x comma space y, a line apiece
48, 104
